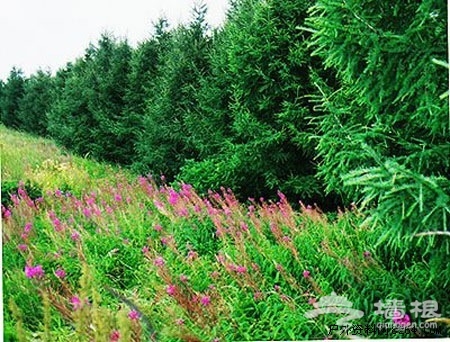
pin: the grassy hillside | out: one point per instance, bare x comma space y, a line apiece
92, 253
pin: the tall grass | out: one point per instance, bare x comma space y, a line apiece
138, 260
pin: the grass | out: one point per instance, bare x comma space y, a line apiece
106, 256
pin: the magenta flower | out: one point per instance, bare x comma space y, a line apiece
58, 193
241, 269
158, 228
306, 274
75, 236
400, 319
34, 271
205, 300
60, 273
27, 227
171, 289
22, 247
173, 197
115, 336
145, 249
117, 198
134, 315
76, 303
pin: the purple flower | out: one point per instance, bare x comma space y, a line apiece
60, 273
134, 315
34, 271
159, 261
205, 300
306, 274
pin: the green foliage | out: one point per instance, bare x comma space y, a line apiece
11, 187
384, 132
36, 102
164, 144
253, 105
11, 94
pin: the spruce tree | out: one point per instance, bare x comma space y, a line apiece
164, 144
36, 102
384, 132
12, 93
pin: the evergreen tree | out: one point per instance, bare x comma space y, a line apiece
164, 144
12, 93
144, 66
36, 102
384, 133
262, 79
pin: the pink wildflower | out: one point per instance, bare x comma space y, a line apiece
87, 212
27, 227
400, 319
192, 255
22, 247
184, 278
205, 300
134, 315
276, 288
257, 295
158, 228
306, 274
76, 303
145, 249
75, 236
58, 193
173, 197
115, 336
34, 271
179, 321
117, 198
241, 269
159, 261
171, 289
366, 254
244, 226
60, 273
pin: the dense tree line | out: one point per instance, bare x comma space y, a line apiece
327, 101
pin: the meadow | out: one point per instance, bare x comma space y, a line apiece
92, 252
